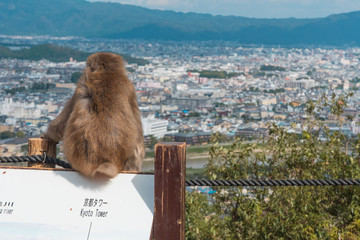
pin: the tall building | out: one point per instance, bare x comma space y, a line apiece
346, 85
20, 110
155, 127
303, 83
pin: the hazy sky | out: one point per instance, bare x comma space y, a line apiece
253, 8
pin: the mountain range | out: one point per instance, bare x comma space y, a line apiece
114, 20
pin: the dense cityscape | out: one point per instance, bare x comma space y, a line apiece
188, 90
250, 112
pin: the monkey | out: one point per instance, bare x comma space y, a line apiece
100, 126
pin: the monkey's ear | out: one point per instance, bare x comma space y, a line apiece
92, 65
92, 62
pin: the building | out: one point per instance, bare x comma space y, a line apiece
20, 110
189, 103
155, 127
346, 85
190, 138
269, 101
302, 83
204, 137
251, 133
281, 116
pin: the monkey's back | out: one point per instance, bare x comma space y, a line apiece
105, 124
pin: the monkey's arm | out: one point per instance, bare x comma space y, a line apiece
56, 128
134, 163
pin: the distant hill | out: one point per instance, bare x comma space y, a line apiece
45, 51
55, 54
114, 20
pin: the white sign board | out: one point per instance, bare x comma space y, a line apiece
58, 205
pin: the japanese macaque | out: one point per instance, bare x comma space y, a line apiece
100, 126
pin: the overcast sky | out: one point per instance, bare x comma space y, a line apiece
253, 8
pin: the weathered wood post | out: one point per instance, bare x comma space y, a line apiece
170, 171
37, 146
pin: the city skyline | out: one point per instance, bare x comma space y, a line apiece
253, 9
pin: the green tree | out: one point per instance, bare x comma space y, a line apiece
75, 77
246, 117
167, 139
194, 114
12, 91
216, 74
355, 80
25, 149
39, 86
271, 68
153, 141
6, 134
218, 137
20, 134
283, 212
201, 222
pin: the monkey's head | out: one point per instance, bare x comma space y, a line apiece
104, 69
104, 62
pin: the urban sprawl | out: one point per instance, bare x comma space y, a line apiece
188, 90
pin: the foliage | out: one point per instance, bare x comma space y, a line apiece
219, 104
193, 70
153, 141
139, 61
217, 74
195, 173
310, 72
75, 77
149, 154
283, 212
252, 89
25, 149
201, 220
39, 86
355, 80
20, 134
278, 90
218, 137
6, 134
271, 68
272, 75
45, 51
194, 115
259, 74
340, 86
12, 91
167, 139
130, 69
35, 87
247, 117
56, 54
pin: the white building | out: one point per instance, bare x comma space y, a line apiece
269, 101
20, 110
303, 83
346, 85
155, 127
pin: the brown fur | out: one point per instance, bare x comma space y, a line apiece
100, 125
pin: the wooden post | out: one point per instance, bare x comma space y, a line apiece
37, 146
169, 212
